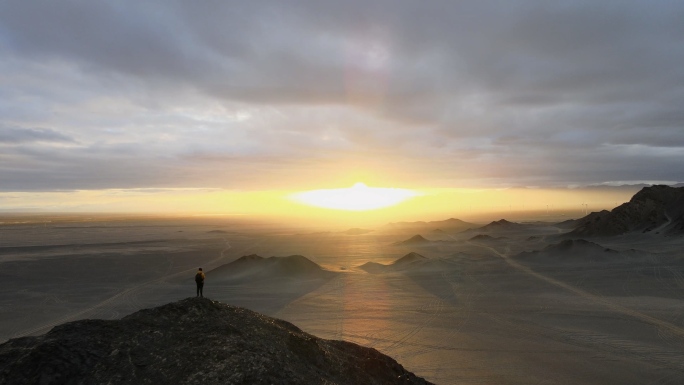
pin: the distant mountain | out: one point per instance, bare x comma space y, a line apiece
574, 223
571, 250
409, 259
501, 225
411, 262
256, 267
357, 231
193, 341
451, 225
414, 240
655, 209
485, 237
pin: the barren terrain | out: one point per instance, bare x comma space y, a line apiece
510, 304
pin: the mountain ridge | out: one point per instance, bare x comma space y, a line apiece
656, 209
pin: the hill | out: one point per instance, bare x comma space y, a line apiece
255, 267
411, 262
192, 341
657, 209
413, 241
451, 225
357, 231
485, 237
572, 250
500, 225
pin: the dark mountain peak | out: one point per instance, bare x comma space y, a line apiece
658, 193
193, 341
656, 209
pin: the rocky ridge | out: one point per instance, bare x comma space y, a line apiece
192, 341
657, 209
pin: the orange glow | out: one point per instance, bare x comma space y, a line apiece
474, 205
356, 198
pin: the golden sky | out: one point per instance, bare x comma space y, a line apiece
232, 107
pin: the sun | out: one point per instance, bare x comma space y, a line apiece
359, 197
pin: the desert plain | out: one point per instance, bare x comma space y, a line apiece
455, 302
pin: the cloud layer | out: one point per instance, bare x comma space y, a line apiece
276, 94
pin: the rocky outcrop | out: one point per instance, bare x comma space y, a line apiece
193, 341
656, 209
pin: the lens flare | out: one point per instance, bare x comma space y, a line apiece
359, 197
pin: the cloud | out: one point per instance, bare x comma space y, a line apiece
269, 93
13, 135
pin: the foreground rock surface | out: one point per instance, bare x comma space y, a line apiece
193, 341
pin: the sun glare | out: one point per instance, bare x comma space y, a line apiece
356, 198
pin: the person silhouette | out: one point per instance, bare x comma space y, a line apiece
199, 280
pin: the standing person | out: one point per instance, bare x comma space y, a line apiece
199, 280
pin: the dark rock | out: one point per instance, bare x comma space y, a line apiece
655, 209
193, 341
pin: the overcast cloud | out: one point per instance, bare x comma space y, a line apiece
276, 94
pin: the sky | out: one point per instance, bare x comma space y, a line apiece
169, 99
